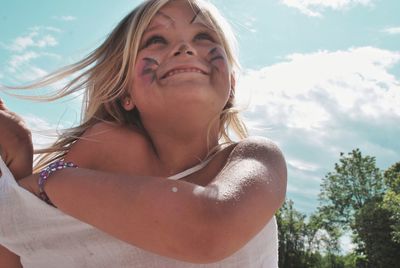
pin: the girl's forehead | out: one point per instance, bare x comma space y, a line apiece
166, 19
180, 11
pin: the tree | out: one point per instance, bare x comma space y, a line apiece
352, 197
391, 199
291, 236
354, 181
373, 225
301, 243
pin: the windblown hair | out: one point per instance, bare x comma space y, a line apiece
105, 76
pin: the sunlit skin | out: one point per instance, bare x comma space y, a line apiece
168, 43
182, 73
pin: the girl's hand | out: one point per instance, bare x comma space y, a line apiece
16, 146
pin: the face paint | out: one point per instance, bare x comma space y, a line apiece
215, 54
148, 68
217, 58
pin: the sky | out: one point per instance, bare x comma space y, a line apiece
319, 77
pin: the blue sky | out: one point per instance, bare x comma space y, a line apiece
319, 77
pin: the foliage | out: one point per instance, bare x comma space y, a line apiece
373, 226
354, 181
301, 243
355, 196
291, 242
392, 198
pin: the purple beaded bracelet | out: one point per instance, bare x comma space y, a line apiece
45, 173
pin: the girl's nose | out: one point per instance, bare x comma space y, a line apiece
184, 49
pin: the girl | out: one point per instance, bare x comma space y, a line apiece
159, 101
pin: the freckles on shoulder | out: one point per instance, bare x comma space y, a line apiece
263, 151
258, 146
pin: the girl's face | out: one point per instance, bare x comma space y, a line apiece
180, 62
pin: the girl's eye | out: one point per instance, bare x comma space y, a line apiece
204, 36
155, 40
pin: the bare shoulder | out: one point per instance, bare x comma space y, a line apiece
259, 149
256, 144
254, 160
94, 148
105, 130
255, 169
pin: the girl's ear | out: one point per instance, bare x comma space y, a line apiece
127, 103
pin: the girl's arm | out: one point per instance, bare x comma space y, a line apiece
17, 152
176, 218
9, 259
16, 147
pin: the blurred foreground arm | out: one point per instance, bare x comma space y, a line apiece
16, 147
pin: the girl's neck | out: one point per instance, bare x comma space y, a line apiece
178, 151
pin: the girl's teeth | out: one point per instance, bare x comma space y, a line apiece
191, 70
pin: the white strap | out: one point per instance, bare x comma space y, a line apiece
191, 170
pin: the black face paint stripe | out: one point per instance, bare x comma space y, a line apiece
148, 70
151, 60
195, 16
215, 55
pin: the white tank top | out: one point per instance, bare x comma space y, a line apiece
44, 237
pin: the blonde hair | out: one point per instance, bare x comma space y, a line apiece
106, 75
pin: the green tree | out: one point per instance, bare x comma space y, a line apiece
392, 198
291, 236
321, 235
354, 181
352, 197
373, 226
301, 243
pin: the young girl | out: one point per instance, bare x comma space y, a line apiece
159, 99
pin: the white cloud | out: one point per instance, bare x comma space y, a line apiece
27, 49
43, 133
392, 30
312, 8
355, 81
22, 42
302, 165
45, 28
21, 68
319, 104
33, 39
47, 41
18, 60
65, 18
250, 23
30, 73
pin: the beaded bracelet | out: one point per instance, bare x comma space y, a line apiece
45, 173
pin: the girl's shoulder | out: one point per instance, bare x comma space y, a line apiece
258, 151
256, 145
105, 146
